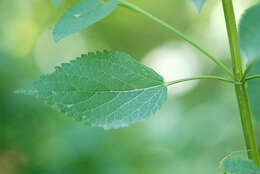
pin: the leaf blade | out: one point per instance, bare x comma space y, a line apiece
107, 89
82, 16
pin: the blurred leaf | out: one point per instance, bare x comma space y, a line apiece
57, 2
106, 89
249, 34
253, 91
238, 165
82, 16
198, 4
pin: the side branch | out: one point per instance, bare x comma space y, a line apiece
252, 77
199, 78
180, 34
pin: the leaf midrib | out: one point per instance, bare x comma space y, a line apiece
113, 91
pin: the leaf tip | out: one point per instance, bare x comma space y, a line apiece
57, 3
198, 4
56, 36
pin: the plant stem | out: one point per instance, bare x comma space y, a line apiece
241, 93
180, 34
252, 77
199, 78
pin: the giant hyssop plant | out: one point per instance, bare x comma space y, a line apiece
110, 89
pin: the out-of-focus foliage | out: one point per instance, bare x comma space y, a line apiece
249, 38
249, 35
82, 16
253, 91
191, 134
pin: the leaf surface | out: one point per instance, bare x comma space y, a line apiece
82, 16
198, 4
238, 165
249, 34
108, 89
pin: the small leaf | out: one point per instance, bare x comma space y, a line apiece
226, 157
249, 34
238, 165
82, 16
253, 91
57, 2
106, 89
198, 4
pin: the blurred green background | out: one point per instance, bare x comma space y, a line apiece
194, 130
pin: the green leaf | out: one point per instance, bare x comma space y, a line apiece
238, 165
198, 4
82, 16
57, 2
253, 91
108, 89
249, 34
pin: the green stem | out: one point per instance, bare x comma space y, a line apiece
180, 34
252, 77
199, 78
249, 67
241, 93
